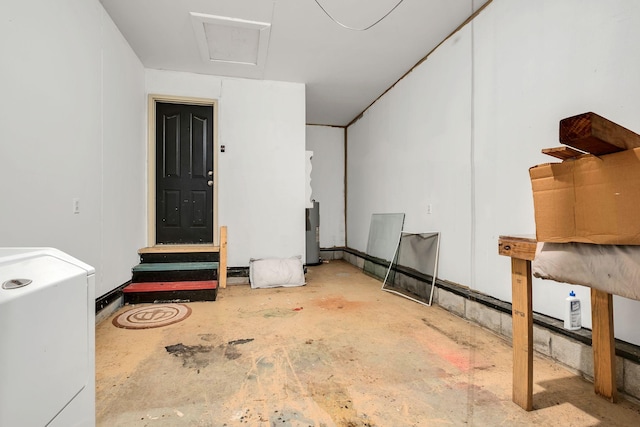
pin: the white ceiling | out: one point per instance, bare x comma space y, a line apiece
344, 71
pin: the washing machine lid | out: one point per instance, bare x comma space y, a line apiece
18, 254
44, 335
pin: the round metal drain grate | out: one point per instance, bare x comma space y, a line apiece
152, 316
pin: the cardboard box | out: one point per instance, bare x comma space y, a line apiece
590, 199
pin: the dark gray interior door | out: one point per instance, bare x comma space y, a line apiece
184, 173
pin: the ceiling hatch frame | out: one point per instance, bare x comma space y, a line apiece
233, 41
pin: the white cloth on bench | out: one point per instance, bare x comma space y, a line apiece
614, 269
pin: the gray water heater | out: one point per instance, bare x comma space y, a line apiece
313, 234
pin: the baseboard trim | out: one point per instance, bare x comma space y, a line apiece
108, 298
237, 272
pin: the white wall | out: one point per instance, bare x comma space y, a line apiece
327, 181
123, 158
262, 173
261, 179
411, 149
536, 63
475, 116
70, 126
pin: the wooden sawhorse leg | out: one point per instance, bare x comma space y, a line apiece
522, 317
522, 250
603, 342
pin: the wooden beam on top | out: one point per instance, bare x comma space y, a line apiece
594, 134
562, 153
519, 247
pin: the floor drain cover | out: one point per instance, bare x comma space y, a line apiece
152, 316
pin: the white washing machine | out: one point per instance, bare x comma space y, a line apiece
47, 339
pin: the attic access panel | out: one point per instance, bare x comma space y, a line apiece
229, 40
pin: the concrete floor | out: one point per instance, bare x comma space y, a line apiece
336, 352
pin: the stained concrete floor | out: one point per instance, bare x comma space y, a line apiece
336, 352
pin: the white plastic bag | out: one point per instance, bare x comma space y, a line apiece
275, 272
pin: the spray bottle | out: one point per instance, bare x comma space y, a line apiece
572, 313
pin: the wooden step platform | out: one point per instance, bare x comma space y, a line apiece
175, 271
157, 257
176, 266
179, 253
174, 249
174, 262
178, 273
183, 291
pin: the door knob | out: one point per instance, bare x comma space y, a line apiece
210, 183
210, 173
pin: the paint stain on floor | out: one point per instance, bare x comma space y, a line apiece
241, 341
192, 356
338, 303
200, 356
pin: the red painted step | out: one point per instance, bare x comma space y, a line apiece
171, 286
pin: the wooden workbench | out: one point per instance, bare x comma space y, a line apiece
522, 250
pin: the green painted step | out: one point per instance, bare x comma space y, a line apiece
176, 266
